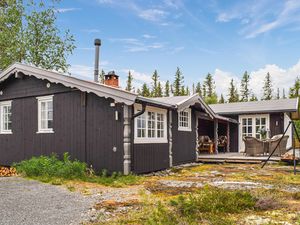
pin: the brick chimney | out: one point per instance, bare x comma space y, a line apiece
111, 79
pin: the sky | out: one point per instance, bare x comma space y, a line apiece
224, 38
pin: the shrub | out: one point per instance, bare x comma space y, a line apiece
50, 169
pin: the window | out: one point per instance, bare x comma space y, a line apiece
5, 118
247, 127
184, 120
150, 127
45, 114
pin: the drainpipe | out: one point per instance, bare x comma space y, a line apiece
141, 112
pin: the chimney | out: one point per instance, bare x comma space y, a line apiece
111, 79
97, 49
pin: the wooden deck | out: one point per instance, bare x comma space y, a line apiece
234, 157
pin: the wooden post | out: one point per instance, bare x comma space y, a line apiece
197, 136
127, 139
170, 140
216, 127
228, 137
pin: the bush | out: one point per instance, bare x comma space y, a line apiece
51, 166
52, 170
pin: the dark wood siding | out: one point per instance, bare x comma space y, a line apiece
234, 134
84, 125
276, 123
149, 157
184, 142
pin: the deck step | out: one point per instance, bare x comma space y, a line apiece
232, 160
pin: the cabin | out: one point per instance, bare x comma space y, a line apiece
44, 112
273, 115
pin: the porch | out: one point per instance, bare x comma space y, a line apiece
234, 157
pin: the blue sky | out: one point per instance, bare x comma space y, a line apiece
224, 38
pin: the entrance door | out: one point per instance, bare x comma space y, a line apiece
250, 126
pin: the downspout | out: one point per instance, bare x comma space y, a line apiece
141, 112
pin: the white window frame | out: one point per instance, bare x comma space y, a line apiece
155, 139
40, 100
253, 117
189, 127
2, 105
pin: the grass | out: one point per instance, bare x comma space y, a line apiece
52, 170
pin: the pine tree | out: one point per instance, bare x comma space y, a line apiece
222, 100
101, 77
233, 93
203, 91
155, 80
187, 91
177, 85
278, 94
145, 91
129, 82
211, 95
267, 89
245, 92
167, 89
198, 89
283, 93
295, 90
253, 98
159, 90
182, 91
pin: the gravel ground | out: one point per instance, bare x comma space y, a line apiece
30, 202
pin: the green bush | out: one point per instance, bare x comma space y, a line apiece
51, 166
50, 169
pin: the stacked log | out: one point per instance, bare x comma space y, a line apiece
7, 171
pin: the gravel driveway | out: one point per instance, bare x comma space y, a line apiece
25, 202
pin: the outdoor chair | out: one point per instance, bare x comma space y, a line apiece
273, 142
205, 144
222, 142
253, 146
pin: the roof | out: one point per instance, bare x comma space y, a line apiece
267, 106
101, 90
183, 102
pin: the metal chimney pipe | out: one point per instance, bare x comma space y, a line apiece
97, 50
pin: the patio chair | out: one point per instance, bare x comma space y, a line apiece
253, 146
281, 149
205, 144
222, 142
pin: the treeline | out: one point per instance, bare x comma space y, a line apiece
207, 90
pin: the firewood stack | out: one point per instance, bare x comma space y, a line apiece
7, 171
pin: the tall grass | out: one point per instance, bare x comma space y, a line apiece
52, 169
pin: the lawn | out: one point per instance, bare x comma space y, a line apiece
196, 194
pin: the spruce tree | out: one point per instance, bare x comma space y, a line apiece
145, 91
222, 100
155, 80
211, 95
182, 92
295, 90
129, 82
193, 89
233, 93
203, 91
187, 91
101, 77
159, 90
283, 93
278, 94
267, 88
198, 89
245, 91
253, 98
167, 89
177, 85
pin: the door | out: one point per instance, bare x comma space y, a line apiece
251, 126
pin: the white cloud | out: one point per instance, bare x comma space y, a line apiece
263, 16
153, 15
281, 78
64, 10
84, 71
91, 31
148, 36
